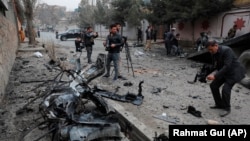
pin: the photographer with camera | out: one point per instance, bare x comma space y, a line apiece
89, 42
228, 72
113, 46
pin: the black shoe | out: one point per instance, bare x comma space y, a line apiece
127, 84
191, 82
122, 78
216, 107
225, 113
106, 75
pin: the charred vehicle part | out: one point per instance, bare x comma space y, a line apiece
73, 111
129, 97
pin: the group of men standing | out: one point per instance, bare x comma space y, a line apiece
87, 40
113, 44
170, 40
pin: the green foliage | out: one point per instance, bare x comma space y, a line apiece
86, 14
89, 15
102, 13
129, 11
168, 11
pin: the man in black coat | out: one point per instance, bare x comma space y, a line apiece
168, 36
228, 71
113, 44
89, 42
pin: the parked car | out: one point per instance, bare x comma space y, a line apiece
69, 34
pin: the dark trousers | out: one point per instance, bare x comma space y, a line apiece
78, 46
168, 46
115, 57
154, 38
223, 99
89, 53
139, 39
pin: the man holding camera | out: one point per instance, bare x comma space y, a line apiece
113, 46
89, 42
229, 71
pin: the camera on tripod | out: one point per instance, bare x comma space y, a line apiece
107, 48
124, 39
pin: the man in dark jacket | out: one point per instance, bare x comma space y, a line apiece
175, 45
228, 72
139, 35
113, 45
89, 42
168, 37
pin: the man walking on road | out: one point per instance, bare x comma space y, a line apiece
228, 71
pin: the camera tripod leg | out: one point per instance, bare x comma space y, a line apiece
132, 69
127, 63
129, 60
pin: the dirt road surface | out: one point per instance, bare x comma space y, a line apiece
165, 90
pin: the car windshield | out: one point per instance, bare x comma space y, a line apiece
73, 31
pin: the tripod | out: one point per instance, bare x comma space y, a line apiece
128, 57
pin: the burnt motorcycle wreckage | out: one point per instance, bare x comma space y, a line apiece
73, 111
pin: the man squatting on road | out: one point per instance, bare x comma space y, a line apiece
228, 71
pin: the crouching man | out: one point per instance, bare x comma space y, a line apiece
229, 71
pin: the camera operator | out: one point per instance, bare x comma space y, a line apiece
89, 42
113, 46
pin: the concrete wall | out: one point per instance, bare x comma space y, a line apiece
8, 47
218, 26
129, 32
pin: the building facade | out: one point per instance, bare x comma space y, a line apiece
219, 25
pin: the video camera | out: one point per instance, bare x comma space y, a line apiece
107, 47
124, 39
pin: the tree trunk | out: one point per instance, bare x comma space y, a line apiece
31, 32
28, 4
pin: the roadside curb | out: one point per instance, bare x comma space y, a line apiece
140, 130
